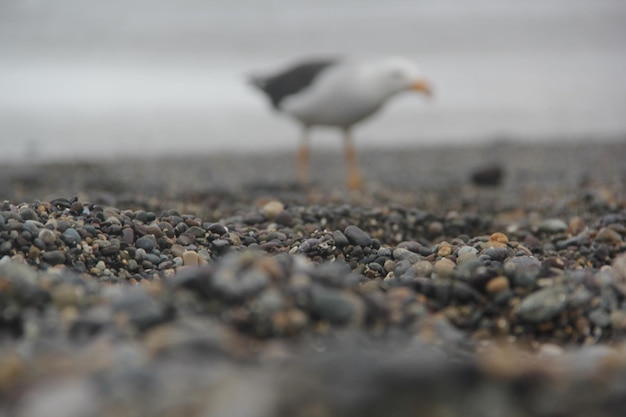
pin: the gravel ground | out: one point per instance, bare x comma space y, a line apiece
463, 281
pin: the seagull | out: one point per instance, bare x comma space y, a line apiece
338, 93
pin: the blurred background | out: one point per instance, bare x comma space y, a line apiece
99, 79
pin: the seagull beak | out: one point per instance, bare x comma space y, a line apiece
422, 85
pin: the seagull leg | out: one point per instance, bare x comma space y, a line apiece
302, 158
355, 181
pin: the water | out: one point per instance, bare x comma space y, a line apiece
102, 79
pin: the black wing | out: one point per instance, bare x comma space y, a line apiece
292, 80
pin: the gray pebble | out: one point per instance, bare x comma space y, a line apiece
340, 239
543, 305
336, 306
28, 214
406, 255
357, 236
71, 237
47, 236
146, 243
552, 226
54, 257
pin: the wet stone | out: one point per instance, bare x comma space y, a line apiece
496, 253
71, 237
340, 239
128, 235
146, 243
220, 245
357, 236
218, 229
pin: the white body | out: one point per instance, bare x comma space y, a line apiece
349, 92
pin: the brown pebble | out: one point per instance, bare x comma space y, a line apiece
608, 235
445, 249
576, 225
191, 258
177, 250
272, 208
435, 229
499, 237
444, 268
497, 240
497, 284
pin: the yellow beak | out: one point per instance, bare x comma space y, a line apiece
422, 85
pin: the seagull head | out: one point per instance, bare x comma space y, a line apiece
395, 75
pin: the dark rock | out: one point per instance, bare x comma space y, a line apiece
357, 236
54, 257
71, 237
490, 175
147, 243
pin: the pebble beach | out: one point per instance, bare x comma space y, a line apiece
474, 280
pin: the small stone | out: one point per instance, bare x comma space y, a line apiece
497, 285
357, 236
220, 245
400, 254
71, 237
543, 305
497, 240
552, 226
435, 229
33, 252
467, 249
489, 176
28, 214
340, 239
146, 243
496, 253
140, 255
576, 225
445, 249
191, 258
54, 257
128, 235
336, 306
423, 269
218, 229
389, 265
522, 264
5, 247
177, 250
444, 268
47, 236
196, 231
608, 235
272, 208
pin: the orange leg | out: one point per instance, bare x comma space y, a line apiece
302, 159
355, 181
